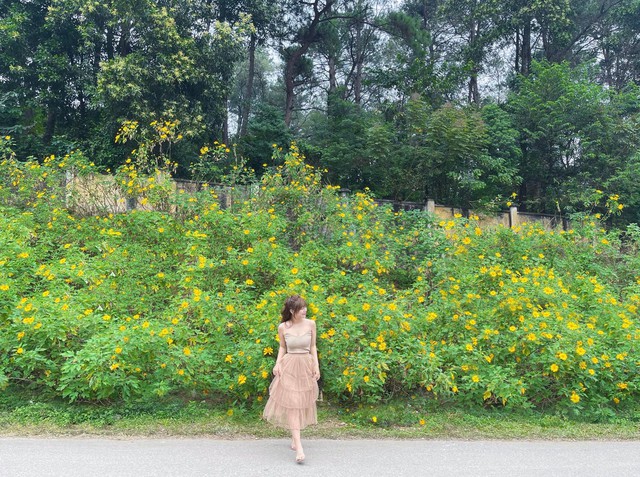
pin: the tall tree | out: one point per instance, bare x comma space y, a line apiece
618, 42
264, 14
251, 87
81, 68
301, 31
476, 31
569, 29
567, 124
420, 51
39, 58
347, 48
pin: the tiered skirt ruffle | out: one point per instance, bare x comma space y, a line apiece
293, 394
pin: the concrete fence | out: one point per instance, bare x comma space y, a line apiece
511, 218
99, 194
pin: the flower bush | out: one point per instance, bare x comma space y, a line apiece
141, 304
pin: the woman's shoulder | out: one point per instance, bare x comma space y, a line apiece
311, 323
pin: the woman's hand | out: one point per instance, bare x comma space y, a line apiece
276, 370
316, 374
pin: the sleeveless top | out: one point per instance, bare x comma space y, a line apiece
298, 344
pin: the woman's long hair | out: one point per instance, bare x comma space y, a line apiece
292, 305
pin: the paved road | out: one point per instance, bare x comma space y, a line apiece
93, 457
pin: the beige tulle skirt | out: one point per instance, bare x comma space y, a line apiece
293, 394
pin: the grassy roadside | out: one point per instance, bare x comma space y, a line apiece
399, 420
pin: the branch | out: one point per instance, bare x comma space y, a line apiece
602, 13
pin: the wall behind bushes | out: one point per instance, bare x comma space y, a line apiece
100, 193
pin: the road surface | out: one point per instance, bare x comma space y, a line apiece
138, 457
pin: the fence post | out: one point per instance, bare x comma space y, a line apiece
228, 200
431, 206
513, 216
68, 188
131, 203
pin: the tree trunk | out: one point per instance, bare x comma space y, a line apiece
246, 107
332, 65
123, 44
357, 81
240, 126
425, 14
307, 37
225, 124
82, 109
49, 126
525, 55
97, 56
110, 50
546, 43
333, 82
474, 93
357, 84
608, 75
28, 115
289, 82
517, 62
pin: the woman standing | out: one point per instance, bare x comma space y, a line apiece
294, 389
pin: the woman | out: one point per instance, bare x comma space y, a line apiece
294, 389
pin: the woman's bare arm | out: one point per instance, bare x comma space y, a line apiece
282, 350
314, 351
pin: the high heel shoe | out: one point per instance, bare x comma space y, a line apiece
299, 459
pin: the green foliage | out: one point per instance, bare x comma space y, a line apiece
567, 128
343, 144
415, 62
498, 169
625, 179
380, 96
454, 155
266, 128
144, 304
220, 165
79, 69
535, 303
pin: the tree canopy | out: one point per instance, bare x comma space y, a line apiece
465, 102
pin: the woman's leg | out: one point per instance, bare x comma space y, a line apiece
297, 444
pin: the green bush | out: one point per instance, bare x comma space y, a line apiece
137, 305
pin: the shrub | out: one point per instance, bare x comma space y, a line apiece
141, 304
